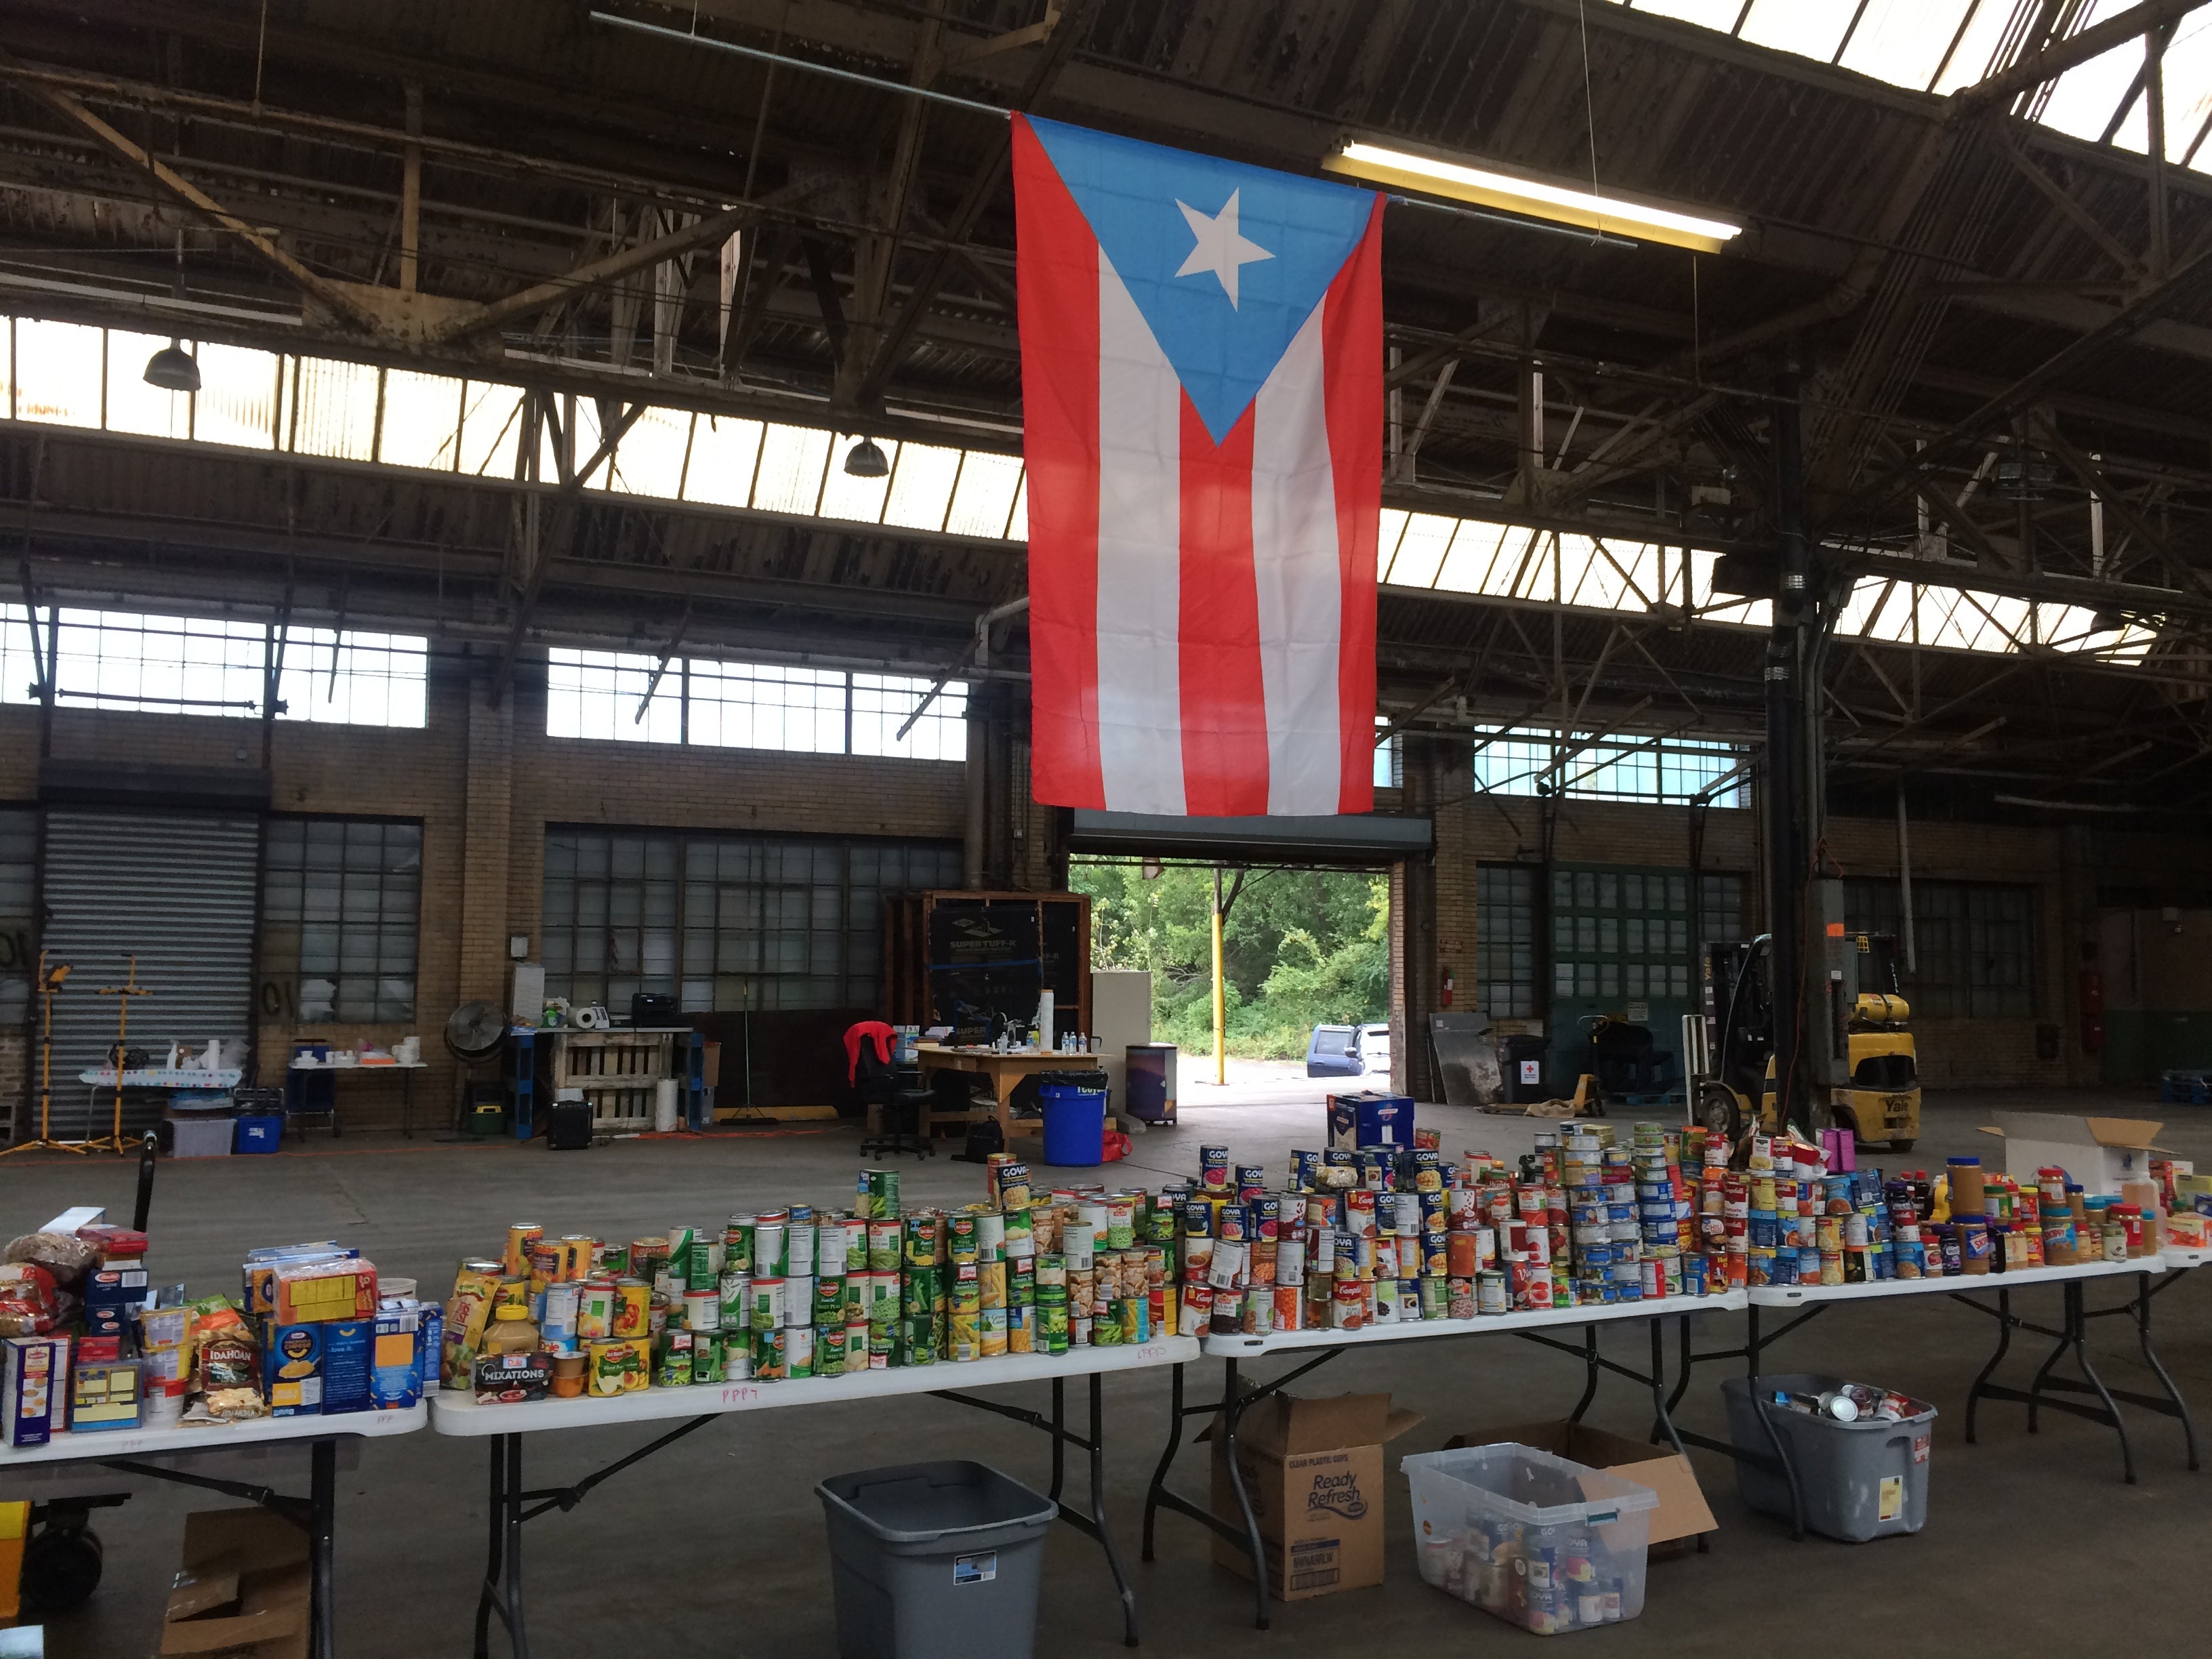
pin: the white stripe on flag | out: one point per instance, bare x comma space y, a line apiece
1300, 590
1140, 559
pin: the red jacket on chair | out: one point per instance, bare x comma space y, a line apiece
866, 1030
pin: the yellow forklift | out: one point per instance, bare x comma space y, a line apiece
1858, 1032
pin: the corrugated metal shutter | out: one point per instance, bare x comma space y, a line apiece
176, 890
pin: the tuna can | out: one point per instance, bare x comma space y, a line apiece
703, 1310
768, 1308
633, 1308
1490, 1292
595, 1310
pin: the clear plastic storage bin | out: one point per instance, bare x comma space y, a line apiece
1543, 1543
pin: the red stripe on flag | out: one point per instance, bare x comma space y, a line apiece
1056, 274
1224, 704
1351, 329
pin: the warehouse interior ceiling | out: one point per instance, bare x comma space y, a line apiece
535, 324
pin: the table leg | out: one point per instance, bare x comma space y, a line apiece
322, 1530
2158, 1370
1059, 1437
2004, 1342
1098, 1508
1232, 1410
1589, 1374
2076, 1324
1167, 1457
1752, 1348
502, 1594
1003, 1086
2057, 1348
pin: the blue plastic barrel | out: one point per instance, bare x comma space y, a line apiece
1074, 1125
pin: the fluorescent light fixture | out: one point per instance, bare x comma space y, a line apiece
1562, 204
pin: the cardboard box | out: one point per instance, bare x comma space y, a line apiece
341, 1288
34, 1388
1369, 1119
292, 1369
1313, 1469
395, 1377
1682, 1513
2100, 1153
106, 1395
347, 1347
242, 1589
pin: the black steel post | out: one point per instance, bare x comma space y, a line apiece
1788, 765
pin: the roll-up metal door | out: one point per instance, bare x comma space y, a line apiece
175, 890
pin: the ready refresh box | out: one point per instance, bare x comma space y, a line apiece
1313, 1469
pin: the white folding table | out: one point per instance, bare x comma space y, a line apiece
1533, 1325
456, 1413
157, 1454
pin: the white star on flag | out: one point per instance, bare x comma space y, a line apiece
1219, 248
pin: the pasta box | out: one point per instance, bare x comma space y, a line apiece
34, 1380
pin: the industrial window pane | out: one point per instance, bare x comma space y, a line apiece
340, 903
922, 486
333, 412
1504, 929
491, 429
422, 425
134, 406
725, 455
793, 462
883, 703
57, 372
983, 499
723, 921
236, 402
355, 678
758, 706
843, 495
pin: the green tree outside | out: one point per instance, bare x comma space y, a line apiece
1302, 948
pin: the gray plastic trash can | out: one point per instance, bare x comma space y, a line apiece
1859, 1480
935, 1561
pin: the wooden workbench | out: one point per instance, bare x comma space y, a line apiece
1004, 1072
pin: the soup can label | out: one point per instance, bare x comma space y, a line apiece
829, 1300
738, 1245
767, 1345
882, 1193
798, 1351
770, 1248
703, 1310
798, 1300
884, 1249
736, 1293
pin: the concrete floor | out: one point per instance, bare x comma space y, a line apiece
716, 1546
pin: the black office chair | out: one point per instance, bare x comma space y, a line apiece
898, 1100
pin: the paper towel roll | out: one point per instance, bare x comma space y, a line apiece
1044, 1020
664, 1106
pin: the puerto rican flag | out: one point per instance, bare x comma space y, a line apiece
1202, 392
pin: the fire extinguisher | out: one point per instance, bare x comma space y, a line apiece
1444, 995
2091, 995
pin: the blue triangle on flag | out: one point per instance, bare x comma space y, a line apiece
1180, 228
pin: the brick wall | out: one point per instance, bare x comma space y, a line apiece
485, 781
